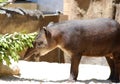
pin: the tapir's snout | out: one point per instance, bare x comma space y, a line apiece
31, 51
40, 44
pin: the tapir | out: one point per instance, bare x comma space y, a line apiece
93, 37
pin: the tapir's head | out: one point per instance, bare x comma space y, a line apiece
43, 44
44, 41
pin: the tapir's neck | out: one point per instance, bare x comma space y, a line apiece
47, 49
69, 53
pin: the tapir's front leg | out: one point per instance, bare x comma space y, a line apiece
75, 60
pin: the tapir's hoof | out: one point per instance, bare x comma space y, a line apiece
114, 80
71, 80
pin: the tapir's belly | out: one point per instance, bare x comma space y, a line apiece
97, 50
91, 47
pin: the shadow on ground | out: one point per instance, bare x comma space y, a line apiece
16, 79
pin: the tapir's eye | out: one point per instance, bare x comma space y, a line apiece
40, 43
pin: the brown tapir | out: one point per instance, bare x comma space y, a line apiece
96, 37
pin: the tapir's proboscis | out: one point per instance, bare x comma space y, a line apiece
94, 37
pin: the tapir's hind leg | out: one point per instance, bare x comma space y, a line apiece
113, 63
75, 60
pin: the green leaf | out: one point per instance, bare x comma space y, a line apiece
12, 44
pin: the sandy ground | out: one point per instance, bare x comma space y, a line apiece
54, 73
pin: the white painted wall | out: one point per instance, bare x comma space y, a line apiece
49, 5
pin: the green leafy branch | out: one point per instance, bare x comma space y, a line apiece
11, 44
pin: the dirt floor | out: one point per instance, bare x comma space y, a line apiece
54, 73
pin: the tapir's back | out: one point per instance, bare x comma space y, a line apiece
89, 26
99, 24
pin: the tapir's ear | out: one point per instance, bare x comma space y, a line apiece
44, 27
47, 33
41, 29
50, 24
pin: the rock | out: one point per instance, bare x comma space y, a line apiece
13, 69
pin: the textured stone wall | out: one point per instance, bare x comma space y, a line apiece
75, 9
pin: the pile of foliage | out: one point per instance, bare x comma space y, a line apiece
12, 44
